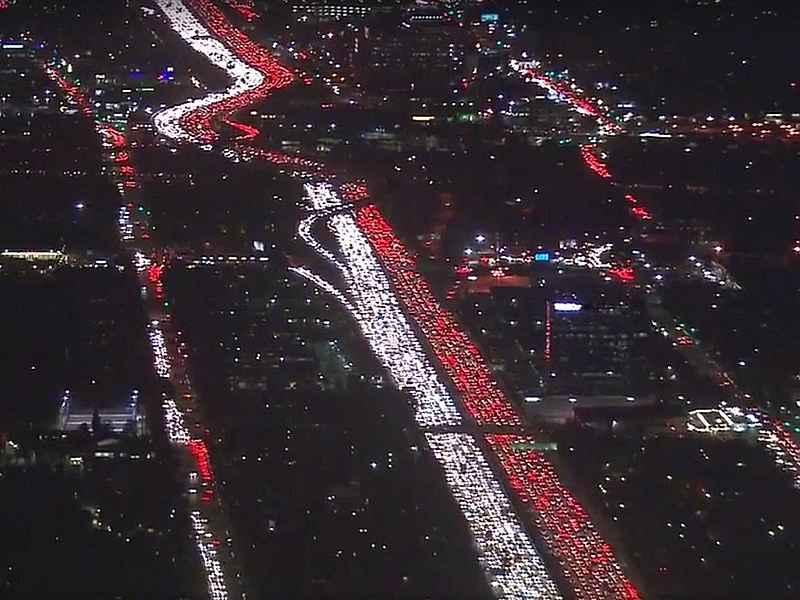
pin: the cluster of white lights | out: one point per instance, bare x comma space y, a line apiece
785, 450
177, 433
159, 346
208, 553
773, 435
141, 262
125, 224
588, 256
515, 568
722, 420
508, 556
369, 298
219, 260
244, 77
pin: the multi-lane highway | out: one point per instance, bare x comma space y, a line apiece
425, 350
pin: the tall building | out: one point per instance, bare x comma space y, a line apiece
588, 347
591, 356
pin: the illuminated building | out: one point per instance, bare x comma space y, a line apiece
590, 347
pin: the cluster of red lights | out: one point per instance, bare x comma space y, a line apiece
245, 9
354, 191
199, 452
623, 274
463, 270
248, 132
154, 274
638, 211
121, 157
571, 97
246, 152
455, 351
594, 163
199, 123
116, 139
113, 137
587, 560
564, 92
72, 91
236, 40
597, 166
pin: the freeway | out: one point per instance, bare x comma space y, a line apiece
369, 298
459, 403
253, 72
181, 413
513, 566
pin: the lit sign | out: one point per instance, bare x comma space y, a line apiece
541, 257
490, 18
567, 307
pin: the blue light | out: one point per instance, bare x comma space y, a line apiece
541, 257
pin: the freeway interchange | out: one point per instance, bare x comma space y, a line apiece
459, 404
530, 533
